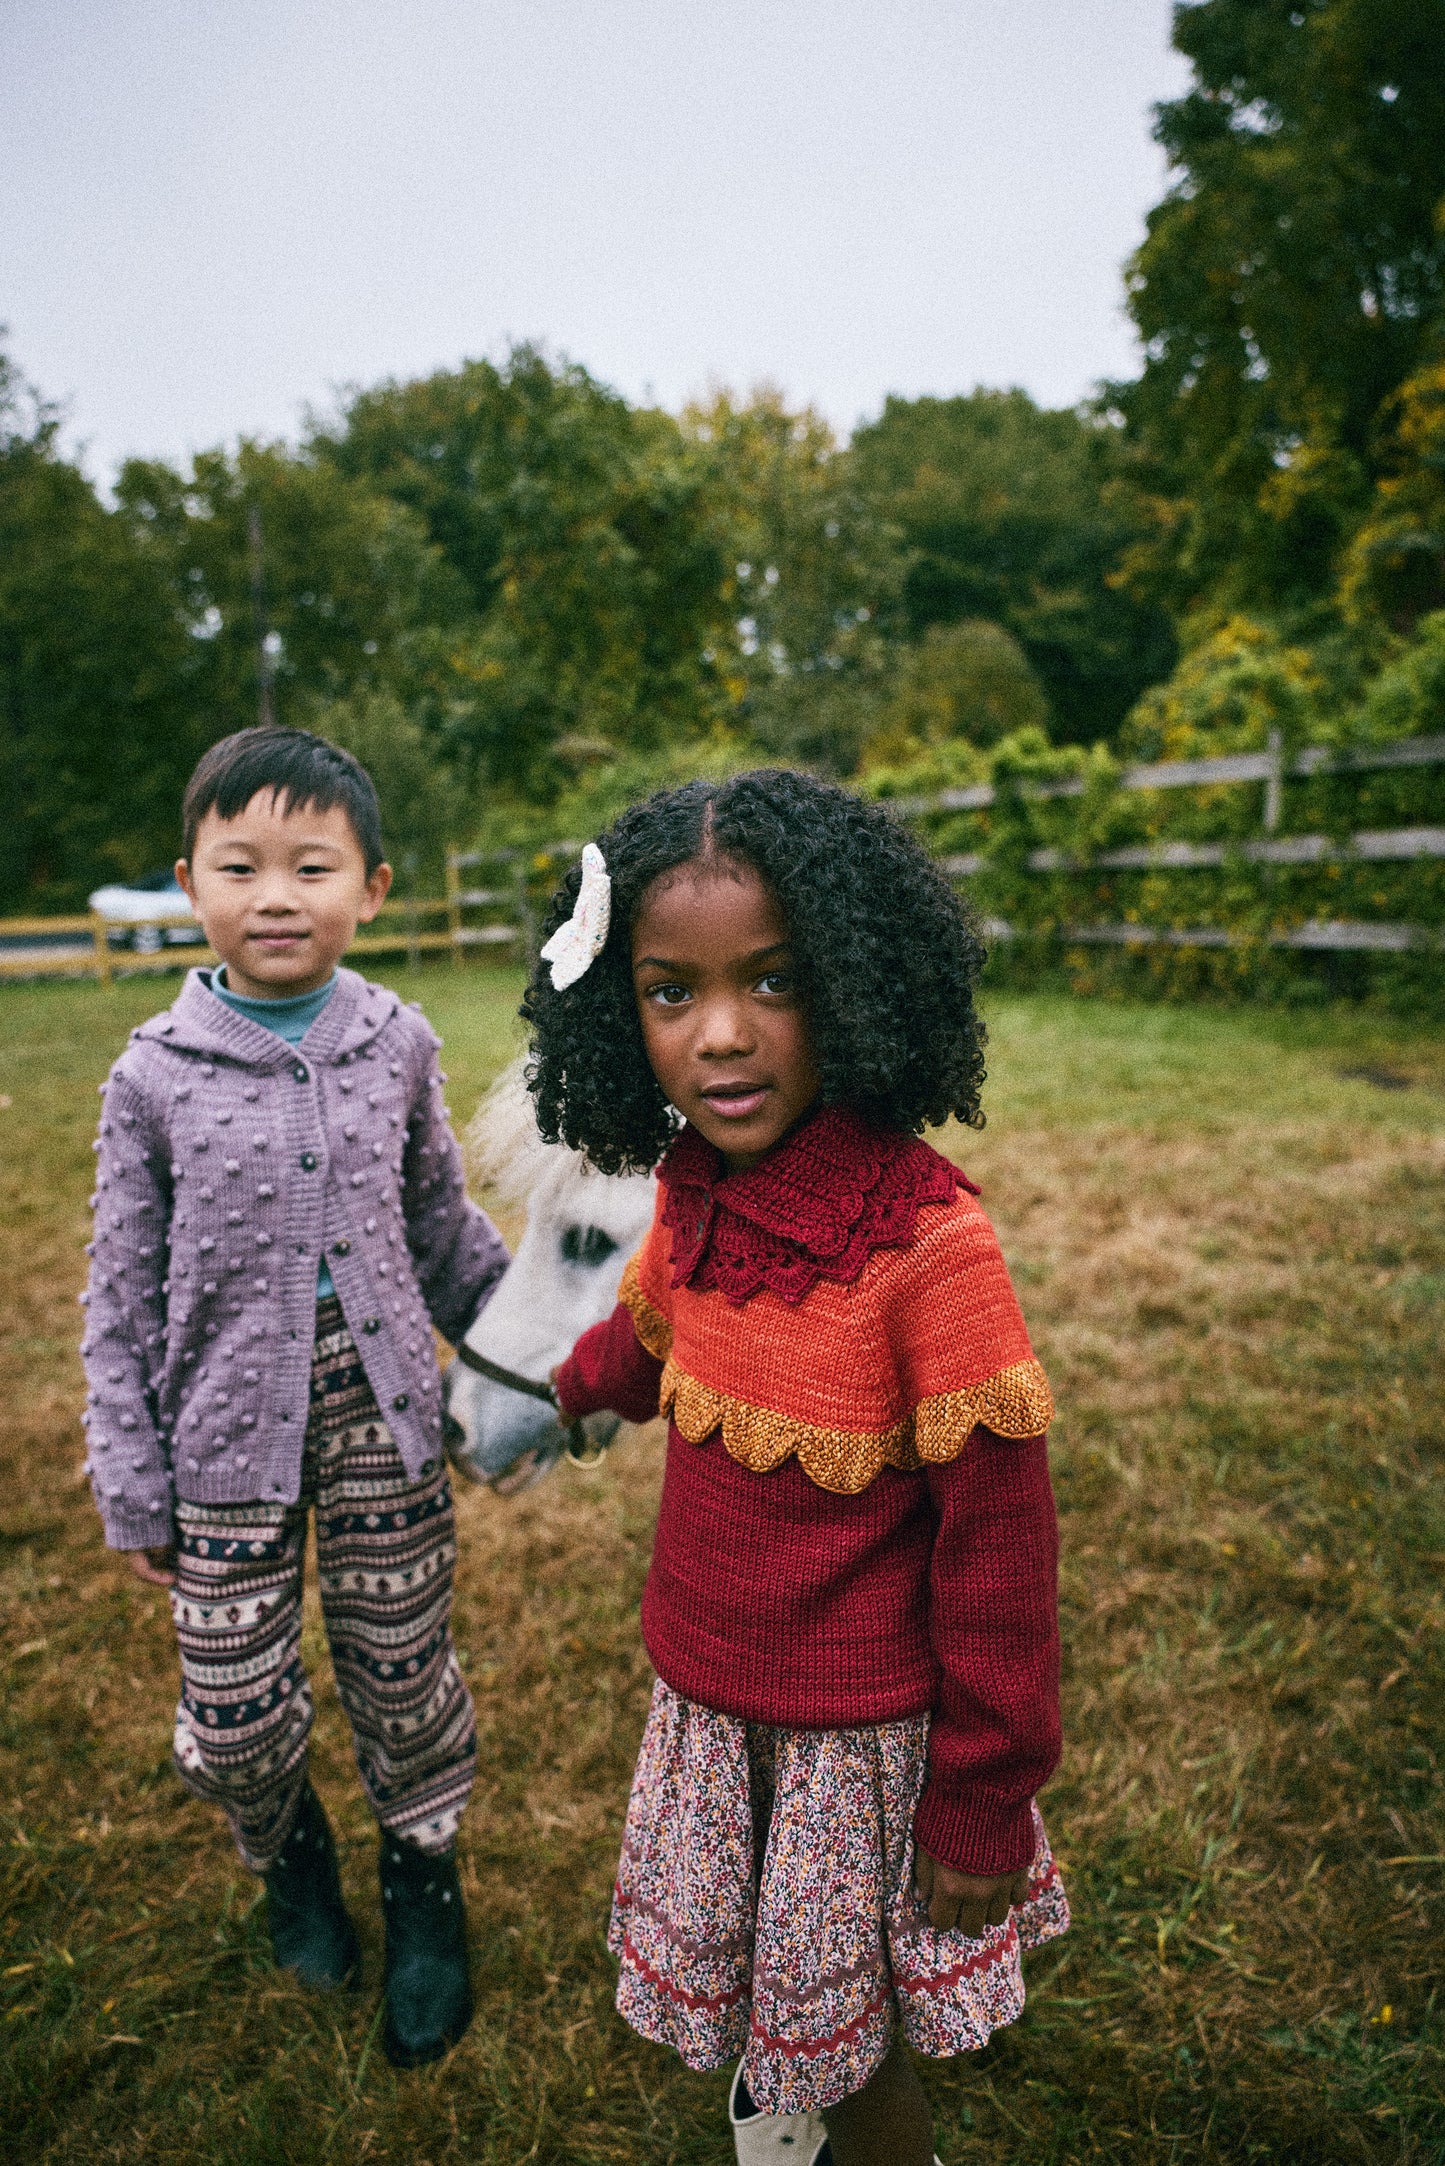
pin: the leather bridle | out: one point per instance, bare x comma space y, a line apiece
579, 1449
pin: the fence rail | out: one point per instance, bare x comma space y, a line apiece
83, 944
1369, 846
503, 893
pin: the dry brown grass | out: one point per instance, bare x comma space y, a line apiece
1233, 1263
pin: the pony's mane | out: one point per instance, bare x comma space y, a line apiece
504, 1152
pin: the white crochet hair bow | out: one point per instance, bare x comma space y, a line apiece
575, 946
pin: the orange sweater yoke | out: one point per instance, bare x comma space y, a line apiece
896, 1368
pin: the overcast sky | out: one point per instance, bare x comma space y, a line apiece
214, 212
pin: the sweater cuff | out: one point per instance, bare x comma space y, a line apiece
973, 1832
610, 1368
134, 1525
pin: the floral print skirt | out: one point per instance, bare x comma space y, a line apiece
765, 1907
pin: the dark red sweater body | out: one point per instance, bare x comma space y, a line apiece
929, 1592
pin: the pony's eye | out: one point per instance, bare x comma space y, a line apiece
587, 1245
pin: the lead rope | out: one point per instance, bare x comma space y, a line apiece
580, 1451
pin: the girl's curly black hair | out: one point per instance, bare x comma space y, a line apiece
886, 958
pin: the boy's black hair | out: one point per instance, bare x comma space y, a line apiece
300, 768
886, 959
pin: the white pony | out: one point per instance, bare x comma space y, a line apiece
581, 1228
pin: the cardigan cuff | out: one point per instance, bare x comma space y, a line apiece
131, 1524
973, 1832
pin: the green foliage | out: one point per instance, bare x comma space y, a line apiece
588, 544
423, 806
1230, 690
970, 680
1015, 514
352, 594
1394, 568
1291, 281
814, 572
1407, 699
92, 726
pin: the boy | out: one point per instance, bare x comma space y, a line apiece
276, 1173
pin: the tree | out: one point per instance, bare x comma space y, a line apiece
586, 538
971, 681
263, 544
91, 728
1291, 280
1394, 568
812, 583
1014, 513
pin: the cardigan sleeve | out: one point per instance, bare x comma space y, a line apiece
128, 1456
993, 1623
458, 1253
609, 1367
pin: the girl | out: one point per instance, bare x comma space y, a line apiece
832, 1844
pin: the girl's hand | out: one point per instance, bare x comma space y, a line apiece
157, 1567
966, 1902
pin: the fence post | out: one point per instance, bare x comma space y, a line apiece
1274, 782
102, 947
454, 907
522, 903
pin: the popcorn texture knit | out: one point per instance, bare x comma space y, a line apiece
856, 1521
228, 1163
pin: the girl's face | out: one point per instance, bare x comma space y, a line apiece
727, 1039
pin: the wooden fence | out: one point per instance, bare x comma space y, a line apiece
1269, 767
407, 926
490, 903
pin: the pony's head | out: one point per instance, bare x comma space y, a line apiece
581, 1227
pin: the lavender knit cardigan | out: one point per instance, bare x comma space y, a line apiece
227, 1161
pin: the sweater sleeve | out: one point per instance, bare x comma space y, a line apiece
609, 1367
123, 1346
458, 1253
993, 1621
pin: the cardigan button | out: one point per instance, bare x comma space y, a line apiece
341, 1248
308, 1161
299, 1071
372, 1324
401, 1402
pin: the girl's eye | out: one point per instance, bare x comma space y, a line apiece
776, 981
670, 996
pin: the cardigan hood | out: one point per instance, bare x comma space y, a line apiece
878, 1326
200, 1022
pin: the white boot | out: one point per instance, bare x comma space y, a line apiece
772, 2139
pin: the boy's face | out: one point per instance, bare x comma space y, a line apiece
280, 894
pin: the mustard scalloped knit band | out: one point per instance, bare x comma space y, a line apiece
1014, 1403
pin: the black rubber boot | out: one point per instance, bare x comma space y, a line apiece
311, 1933
428, 1989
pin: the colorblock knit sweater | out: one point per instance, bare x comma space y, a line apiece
228, 1163
856, 1521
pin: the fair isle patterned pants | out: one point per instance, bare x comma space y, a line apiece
385, 1550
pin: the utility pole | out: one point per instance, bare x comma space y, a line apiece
265, 660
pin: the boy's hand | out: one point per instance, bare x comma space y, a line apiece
965, 1901
157, 1567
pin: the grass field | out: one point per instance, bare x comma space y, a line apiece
1232, 1255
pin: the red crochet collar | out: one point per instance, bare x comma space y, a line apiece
815, 1208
